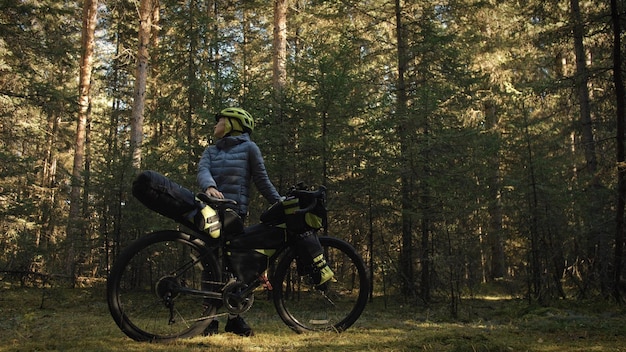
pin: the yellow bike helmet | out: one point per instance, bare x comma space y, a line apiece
244, 119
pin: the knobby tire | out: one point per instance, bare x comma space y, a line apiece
145, 287
333, 306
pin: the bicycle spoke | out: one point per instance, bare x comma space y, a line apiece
157, 289
335, 305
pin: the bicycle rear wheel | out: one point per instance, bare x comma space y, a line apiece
335, 305
154, 289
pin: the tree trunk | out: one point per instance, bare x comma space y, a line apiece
156, 83
75, 227
536, 269
114, 199
192, 87
370, 245
620, 97
425, 251
279, 79
406, 252
597, 241
47, 220
141, 76
496, 262
582, 80
279, 76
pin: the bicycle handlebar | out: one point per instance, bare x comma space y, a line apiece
307, 209
214, 200
317, 195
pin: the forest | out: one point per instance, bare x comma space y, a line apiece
465, 144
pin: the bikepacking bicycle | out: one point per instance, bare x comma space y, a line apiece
171, 284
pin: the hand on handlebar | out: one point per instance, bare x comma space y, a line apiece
218, 199
213, 192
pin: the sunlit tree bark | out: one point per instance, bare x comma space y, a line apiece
75, 227
141, 76
279, 73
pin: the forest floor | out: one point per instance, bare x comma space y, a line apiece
78, 320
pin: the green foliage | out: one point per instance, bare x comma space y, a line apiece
488, 139
37, 64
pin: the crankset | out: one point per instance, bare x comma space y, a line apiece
237, 298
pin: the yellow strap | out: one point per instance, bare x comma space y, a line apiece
290, 206
266, 252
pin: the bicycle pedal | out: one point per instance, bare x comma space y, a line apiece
266, 282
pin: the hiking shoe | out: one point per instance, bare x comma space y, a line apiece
238, 326
211, 329
321, 271
325, 275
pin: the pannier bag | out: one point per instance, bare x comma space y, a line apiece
176, 202
300, 227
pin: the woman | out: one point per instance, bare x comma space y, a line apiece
226, 170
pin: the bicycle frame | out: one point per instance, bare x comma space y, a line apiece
194, 274
229, 277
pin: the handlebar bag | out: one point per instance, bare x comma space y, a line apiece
288, 212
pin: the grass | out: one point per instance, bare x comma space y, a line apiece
78, 320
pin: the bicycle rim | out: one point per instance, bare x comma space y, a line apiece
146, 287
334, 306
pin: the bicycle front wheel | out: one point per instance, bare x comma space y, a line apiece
333, 306
156, 289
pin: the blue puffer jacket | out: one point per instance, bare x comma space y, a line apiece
230, 166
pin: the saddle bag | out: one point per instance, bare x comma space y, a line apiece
162, 195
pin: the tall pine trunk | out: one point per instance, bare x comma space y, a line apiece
406, 187
496, 264
193, 98
620, 97
279, 62
597, 245
279, 76
75, 227
141, 77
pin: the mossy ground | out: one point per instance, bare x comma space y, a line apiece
78, 320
